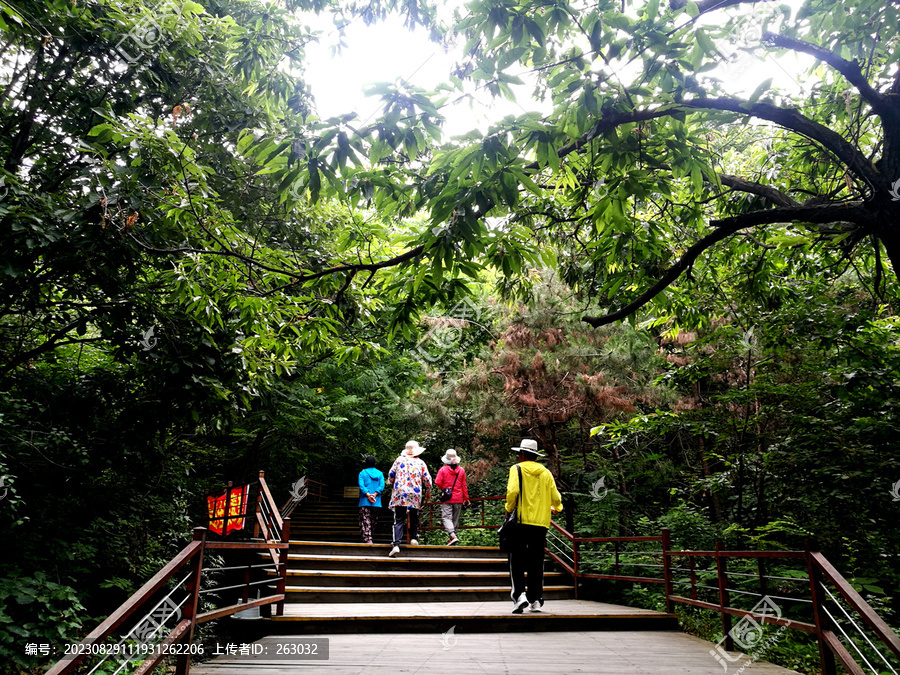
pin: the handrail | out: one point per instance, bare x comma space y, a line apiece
855, 600
123, 613
819, 571
831, 648
276, 543
432, 507
301, 490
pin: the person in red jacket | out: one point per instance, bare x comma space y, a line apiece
452, 477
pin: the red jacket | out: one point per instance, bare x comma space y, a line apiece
444, 479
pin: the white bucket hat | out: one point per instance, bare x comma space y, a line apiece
416, 448
530, 446
450, 457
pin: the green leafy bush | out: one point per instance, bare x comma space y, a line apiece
35, 610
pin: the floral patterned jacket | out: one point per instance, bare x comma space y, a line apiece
410, 478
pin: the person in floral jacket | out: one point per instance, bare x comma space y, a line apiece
411, 482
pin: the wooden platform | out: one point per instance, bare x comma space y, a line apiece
603, 653
439, 617
432, 610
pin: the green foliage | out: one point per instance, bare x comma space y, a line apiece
202, 278
35, 610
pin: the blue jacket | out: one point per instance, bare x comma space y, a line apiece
370, 480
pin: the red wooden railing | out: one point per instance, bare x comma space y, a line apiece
431, 515
823, 588
304, 488
134, 635
824, 584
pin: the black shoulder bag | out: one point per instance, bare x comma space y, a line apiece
446, 493
509, 529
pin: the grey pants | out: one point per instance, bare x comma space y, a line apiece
450, 517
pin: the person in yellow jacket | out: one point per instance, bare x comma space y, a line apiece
537, 500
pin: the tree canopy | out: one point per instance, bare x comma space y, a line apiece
202, 277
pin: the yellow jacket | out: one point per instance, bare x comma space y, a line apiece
540, 494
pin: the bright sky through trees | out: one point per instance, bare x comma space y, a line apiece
388, 51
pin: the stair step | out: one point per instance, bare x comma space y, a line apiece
383, 563
374, 550
428, 594
406, 578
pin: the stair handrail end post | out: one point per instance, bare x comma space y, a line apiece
666, 542
575, 558
820, 618
281, 588
189, 613
722, 577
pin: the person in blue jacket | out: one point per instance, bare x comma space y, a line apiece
371, 485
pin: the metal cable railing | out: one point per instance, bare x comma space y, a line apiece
138, 641
858, 629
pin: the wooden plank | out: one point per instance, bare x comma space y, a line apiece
624, 540
843, 656
270, 503
424, 610
246, 545
614, 577
738, 554
233, 609
159, 654
597, 653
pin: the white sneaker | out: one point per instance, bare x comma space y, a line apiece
413, 542
520, 604
453, 540
536, 605
394, 552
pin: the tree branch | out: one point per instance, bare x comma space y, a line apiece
705, 6
297, 278
832, 141
851, 70
854, 212
607, 123
774, 195
789, 119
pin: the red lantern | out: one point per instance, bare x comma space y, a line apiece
234, 501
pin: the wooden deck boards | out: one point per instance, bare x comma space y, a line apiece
451, 609
598, 653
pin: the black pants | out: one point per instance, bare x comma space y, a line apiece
527, 557
400, 524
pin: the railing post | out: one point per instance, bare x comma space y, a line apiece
245, 593
227, 508
693, 577
616, 565
763, 579
721, 569
183, 661
575, 556
826, 656
259, 498
667, 568
281, 587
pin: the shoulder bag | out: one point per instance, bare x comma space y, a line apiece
509, 529
446, 493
